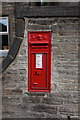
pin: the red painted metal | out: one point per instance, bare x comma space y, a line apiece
39, 43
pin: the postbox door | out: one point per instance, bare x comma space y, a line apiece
39, 61
39, 71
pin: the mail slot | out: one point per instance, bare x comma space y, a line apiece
39, 61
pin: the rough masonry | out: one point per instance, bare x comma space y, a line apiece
63, 99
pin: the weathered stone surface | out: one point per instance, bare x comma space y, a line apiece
63, 100
8, 8
45, 108
69, 110
19, 27
47, 11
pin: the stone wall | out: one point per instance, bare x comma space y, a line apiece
17, 102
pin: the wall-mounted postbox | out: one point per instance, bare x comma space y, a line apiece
39, 61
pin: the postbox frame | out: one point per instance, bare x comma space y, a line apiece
49, 68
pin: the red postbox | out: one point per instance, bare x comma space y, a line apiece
39, 61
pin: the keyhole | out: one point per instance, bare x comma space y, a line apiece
35, 72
